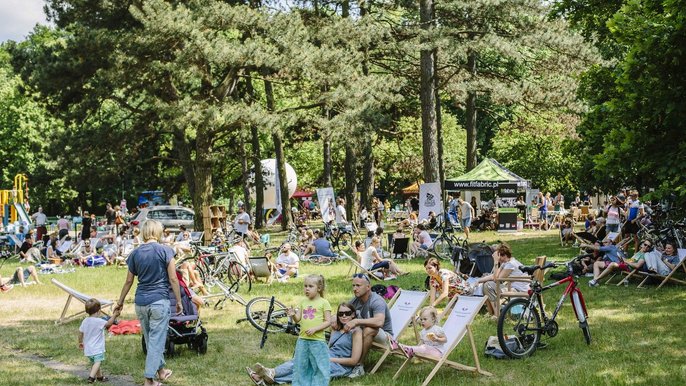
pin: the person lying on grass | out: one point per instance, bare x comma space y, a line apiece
21, 277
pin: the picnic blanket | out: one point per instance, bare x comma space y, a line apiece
126, 327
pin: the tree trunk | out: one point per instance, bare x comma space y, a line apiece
367, 191
350, 169
245, 176
471, 116
282, 183
428, 99
257, 166
327, 178
439, 123
202, 177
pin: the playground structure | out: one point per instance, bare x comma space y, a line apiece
13, 201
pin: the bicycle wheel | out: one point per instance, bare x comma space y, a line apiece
587, 331
519, 320
442, 248
236, 276
256, 311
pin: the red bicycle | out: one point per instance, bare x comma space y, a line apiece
519, 324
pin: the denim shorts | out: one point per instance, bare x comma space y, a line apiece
97, 357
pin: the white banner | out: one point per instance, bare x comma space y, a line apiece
430, 200
327, 203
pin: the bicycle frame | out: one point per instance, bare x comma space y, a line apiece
578, 303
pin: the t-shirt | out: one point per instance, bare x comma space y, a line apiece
40, 218
612, 215
289, 258
63, 224
340, 215
367, 257
436, 330
110, 214
638, 256
93, 330
241, 228
611, 253
425, 239
514, 265
674, 259
322, 247
634, 209
466, 209
25, 246
313, 314
241, 254
375, 305
149, 263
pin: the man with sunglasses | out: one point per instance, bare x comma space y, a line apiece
373, 316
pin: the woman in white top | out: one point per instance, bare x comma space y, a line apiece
613, 216
507, 266
370, 260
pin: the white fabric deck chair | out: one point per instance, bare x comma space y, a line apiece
403, 308
197, 237
262, 267
456, 327
83, 298
355, 266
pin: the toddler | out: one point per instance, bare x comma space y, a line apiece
92, 338
432, 337
311, 359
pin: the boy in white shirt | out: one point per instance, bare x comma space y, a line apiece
92, 338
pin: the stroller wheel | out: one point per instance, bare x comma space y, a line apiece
201, 343
170, 349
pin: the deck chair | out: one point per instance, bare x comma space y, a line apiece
400, 247
355, 266
456, 327
670, 276
403, 309
508, 292
533, 219
196, 237
83, 298
262, 267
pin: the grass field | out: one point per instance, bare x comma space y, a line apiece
638, 335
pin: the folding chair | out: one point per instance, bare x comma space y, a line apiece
539, 275
403, 309
532, 220
400, 247
354, 264
83, 298
670, 276
456, 327
262, 267
196, 237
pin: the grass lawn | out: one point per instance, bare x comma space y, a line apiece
638, 335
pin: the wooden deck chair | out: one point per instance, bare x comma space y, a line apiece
83, 298
15, 240
262, 267
456, 327
508, 293
403, 309
533, 219
670, 276
355, 266
196, 237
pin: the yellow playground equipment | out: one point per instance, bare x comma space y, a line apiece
12, 201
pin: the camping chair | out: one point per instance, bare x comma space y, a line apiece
403, 309
670, 276
456, 327
354, 264
262, 267
83, 298
509, 293
400, 247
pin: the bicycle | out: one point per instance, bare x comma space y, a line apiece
519, 324
338, 236
445, 243
223, 276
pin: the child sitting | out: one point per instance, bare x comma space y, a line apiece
92, 338
432, 337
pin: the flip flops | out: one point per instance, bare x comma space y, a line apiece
166, 376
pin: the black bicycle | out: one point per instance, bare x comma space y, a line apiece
338, 236
446, 242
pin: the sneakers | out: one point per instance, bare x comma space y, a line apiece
6, 287
589, 274
356, 372
283, 279
593, 283
265, 373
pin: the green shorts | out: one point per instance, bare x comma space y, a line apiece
97, 357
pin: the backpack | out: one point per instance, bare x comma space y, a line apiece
379, 289
492, 348
391, 290
95, 261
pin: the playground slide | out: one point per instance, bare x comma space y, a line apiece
21, 213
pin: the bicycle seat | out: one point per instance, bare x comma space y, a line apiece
530, 269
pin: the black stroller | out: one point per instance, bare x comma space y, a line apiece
183, 329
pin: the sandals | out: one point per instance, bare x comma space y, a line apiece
168, 373
392, 343
408, 352
99, 379
266, 374
252, 375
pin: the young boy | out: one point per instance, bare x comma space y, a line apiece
92, 338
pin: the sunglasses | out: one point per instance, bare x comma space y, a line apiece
647, 245
344, 313
361, 276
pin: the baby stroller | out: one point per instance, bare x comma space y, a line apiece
183, 329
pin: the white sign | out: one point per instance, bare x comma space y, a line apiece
430, 200
327, 203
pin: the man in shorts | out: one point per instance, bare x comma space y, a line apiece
373, 316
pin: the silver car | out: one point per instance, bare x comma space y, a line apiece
169, 216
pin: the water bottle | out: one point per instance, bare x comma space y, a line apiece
626, 283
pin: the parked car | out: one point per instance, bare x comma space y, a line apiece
169, 216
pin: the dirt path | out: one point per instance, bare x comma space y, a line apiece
78, 371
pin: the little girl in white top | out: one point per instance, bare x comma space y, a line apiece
432, 337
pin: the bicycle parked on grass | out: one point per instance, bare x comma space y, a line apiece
339, 237
223, 276
446, 241
519, 324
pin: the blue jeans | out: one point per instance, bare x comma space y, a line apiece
311, 363
154, 320
284, 372
612, 227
